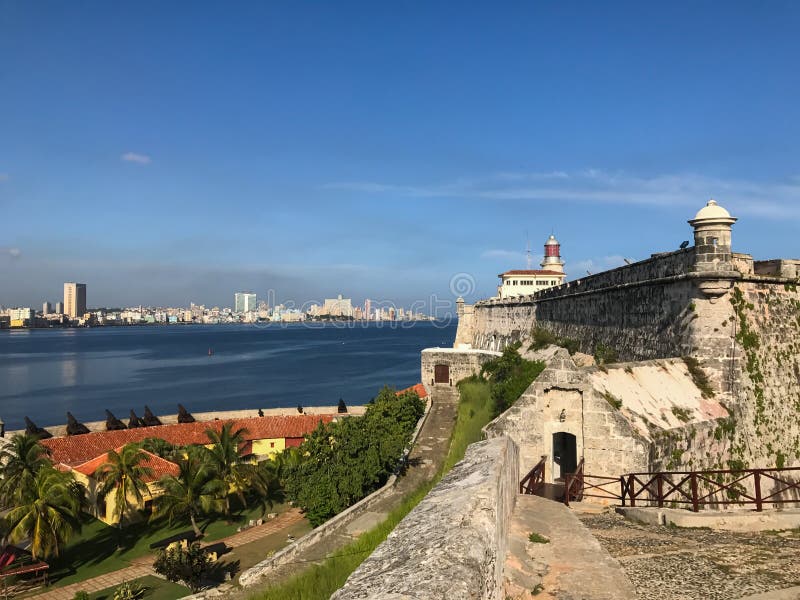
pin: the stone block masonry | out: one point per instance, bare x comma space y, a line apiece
453, 544
739, 319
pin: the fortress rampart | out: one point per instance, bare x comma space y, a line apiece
739, 318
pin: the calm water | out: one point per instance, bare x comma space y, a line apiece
44, 373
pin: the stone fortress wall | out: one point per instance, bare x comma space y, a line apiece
739, 318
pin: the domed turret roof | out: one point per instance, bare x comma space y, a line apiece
551, 241
713, 211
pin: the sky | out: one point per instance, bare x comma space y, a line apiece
167, 153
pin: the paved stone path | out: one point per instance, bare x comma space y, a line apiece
142, 566
425, 460
101, 582
571, 564
670, 563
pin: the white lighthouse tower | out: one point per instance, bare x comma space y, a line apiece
552, 255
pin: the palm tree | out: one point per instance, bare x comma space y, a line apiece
20, 460
287, 460
197, 490
232, 468
48, 515
267, 485
123, 474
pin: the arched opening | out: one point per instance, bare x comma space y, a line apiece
565, 455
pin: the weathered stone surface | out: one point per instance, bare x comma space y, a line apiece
462, 362
570, 564
453, 544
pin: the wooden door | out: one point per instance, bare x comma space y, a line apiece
441, 374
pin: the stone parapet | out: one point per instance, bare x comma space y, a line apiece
453, 544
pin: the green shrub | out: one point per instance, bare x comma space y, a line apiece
128, 590
81, 595
509, 376
537, 538
605, 354
615, 402
681, 414
699, 377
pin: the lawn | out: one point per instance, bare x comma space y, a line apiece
154, 589
318, 582
100, 549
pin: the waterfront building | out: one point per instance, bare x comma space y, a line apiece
337, 307
522, 282
244, 302
22, 317
75, 300
84, 454
59, 308
367, 308
47, 308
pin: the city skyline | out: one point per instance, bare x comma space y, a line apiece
297, 147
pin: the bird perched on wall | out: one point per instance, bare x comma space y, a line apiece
684, 244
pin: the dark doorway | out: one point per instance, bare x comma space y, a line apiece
565, 455
441, 374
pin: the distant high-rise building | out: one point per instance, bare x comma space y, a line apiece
47, 308
244, 302
337, 307
59, 308
74, 299
367, 308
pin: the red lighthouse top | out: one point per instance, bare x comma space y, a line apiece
552, 255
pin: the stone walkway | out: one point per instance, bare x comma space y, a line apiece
101, 582
670, 563
569, 563
142, 566
425, 460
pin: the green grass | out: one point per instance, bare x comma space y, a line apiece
154, 589
475, 410
100, 549
320, 581
537, 538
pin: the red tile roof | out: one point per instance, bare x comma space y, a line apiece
419, 388
77, 449
159, 466
527, 272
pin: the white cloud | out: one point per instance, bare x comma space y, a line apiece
771, 199
11, 252
141, 159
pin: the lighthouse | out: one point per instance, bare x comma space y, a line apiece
552, 255
526, 282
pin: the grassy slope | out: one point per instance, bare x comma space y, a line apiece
320, 581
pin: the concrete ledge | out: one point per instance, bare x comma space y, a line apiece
724, 520
453, 544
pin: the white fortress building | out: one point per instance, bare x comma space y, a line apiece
523, 282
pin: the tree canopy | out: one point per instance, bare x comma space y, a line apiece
345, 460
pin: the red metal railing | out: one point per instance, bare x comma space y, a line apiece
533, 480
580, 485
721, 487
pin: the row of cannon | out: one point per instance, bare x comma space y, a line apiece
75, 427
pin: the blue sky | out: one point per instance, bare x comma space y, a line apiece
165, 154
